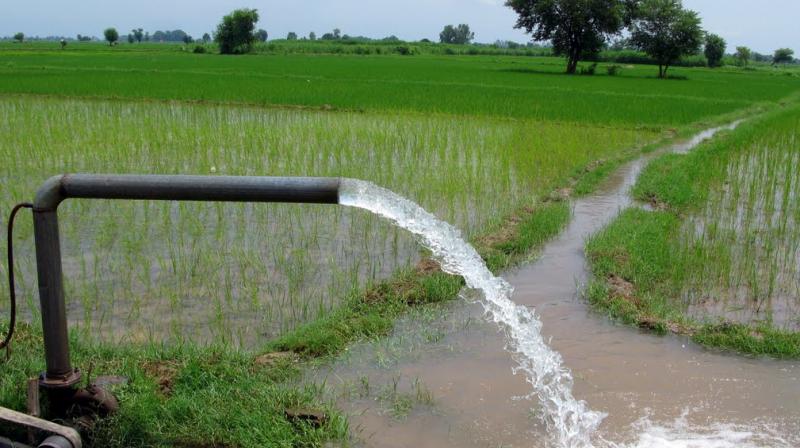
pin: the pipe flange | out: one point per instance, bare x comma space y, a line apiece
60, 382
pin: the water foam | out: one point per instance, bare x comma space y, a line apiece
680, 433
570, 422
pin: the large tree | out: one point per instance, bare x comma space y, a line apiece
666, 31
742, 56
460, 34
783, 56
236, 33
715, 50
576, 28
19, 37
111, 35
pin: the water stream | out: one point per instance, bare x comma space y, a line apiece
646, 391
568, 419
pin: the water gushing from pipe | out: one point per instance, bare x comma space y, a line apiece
570, 421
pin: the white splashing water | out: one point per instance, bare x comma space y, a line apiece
570, 422
682, 434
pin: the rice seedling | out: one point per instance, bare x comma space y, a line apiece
743, 247
518, 87
140, 271
720, 262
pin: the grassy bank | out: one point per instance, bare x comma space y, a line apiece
717, 259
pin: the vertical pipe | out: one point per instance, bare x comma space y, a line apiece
51, 296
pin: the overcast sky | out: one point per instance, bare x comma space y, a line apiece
763, 25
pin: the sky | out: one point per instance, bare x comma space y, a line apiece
764, 25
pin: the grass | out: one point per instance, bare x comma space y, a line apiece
719, 260
181, 396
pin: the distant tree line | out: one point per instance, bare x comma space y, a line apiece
169, 36
578, 29
662, 29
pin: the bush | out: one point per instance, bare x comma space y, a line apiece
637, 57
236, 33
613, 70
199, 49
590, 70
405, 50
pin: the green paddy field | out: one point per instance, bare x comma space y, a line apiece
185, 299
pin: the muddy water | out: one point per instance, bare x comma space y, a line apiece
444, 380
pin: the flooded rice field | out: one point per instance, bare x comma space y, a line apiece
444, 378
751, 229
243, 273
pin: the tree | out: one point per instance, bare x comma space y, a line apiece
19, 37
111, 35
170, 36
206, 38
666, 31
187, 39
742, 56
131, 39
262, 35
337, 33
63, 43
312, 36
236, 33
783, 56
147, 36
576, 28
715, 50
460, 34
291, 36
138, 34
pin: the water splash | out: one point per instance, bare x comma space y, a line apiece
680, 433
570, 421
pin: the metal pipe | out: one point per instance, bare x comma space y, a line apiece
60, 374
56, 442
64, 436
187, 188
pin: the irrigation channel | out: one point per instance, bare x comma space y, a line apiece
579, 379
